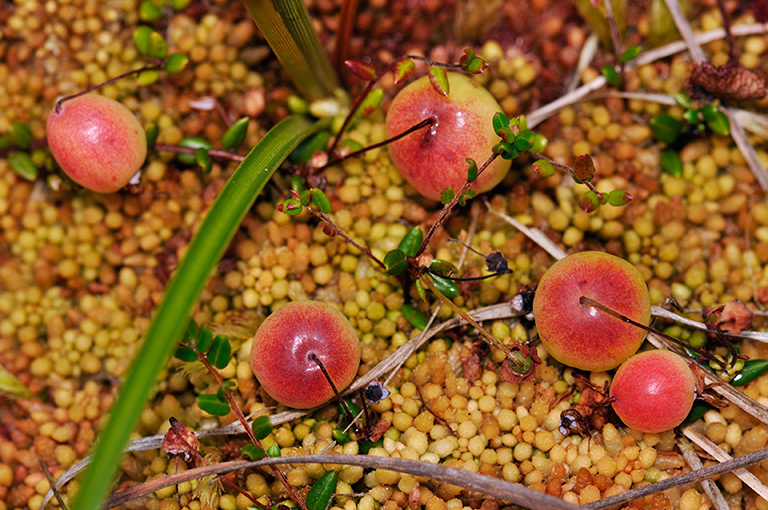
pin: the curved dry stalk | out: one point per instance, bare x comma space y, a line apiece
489, 485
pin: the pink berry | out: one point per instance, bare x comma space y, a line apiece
97, 142
280, 355
653, 391
578, 335
434, 157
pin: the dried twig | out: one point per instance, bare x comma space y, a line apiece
693, 460
711, 448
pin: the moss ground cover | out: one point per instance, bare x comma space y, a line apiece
81, 273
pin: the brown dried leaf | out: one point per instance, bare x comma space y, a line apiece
473, 366
732, 317
179, 440
728, 81
379, 429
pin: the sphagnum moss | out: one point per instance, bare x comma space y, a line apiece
78, 309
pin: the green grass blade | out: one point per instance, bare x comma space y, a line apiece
303, 58
183, 290
294, 14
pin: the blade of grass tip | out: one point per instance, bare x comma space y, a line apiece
181, 294
287, 50
294, 14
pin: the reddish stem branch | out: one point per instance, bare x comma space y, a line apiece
248, 430
147, 67
214, 153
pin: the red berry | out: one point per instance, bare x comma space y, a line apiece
578, 335
434, 158
97, 142
280, 355
653, 391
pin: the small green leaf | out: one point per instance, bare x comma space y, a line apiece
476, 66
321, 492
21, 163
682, 99
500, 121
666, 128
273, 450
395, 262
415, 317
371, 102
204, 340
354, 409
630, 53
11, 386
540, 143
176, 63
191, 333
544, 168
21, 135
253, 452
447, 195
340, 436
619, 197
149, 42
420, 289
262, 427
524, 140
149, 12
439, 80
148, 77
365, 446
361, 69
290, 206
203, 159
320, 200
403, 69
227, 386
469, 55
590, 201
305, 197
692, 116
178, 5
212, 404
670, 162
611, 76
151, 132
466, 196
411, 242
583, 168
443, 267
191, 142
220, 352
509, 134
445, 286
753, 369
235, 135
185, 353
471, 170
716, 120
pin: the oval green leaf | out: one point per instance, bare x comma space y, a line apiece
235, 135
176, 63
411, 242
671, 163
273, 450
212, 404
753, 369
666, 128
220, 352
253, 452
21, 135
185, 353
192, 142
414, 316
261, 427
321, 492
21, 163
446, 287
439, 80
